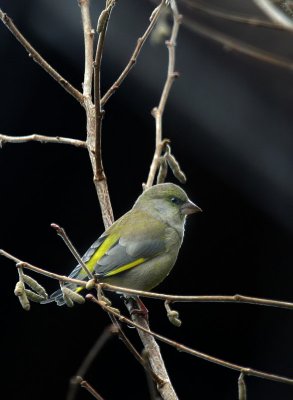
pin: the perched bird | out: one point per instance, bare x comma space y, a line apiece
139, 250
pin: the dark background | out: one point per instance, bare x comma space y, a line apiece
230, 122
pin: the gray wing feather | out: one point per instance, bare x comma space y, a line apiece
126, 251
86, 257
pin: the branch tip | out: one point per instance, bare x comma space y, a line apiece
56, 227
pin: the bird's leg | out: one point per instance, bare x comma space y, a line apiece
136, 306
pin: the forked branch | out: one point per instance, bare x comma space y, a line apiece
158, 111
140, 42
196, 353
238, 46
7, 21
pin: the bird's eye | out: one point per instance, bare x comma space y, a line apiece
175, 200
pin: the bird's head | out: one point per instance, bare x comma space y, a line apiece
168, 202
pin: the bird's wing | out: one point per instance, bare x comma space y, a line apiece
78, 272
123, 246
131, 245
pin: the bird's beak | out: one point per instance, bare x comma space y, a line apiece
190, 208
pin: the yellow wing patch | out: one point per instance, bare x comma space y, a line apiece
105, 246
126, 266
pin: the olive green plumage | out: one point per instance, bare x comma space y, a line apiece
139, 250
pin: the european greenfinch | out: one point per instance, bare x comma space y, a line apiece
139, 250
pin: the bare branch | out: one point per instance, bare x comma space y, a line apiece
140, 42
90, 389
153, 391
39, 59
274, 13
133, 350
96, 143
237, 298
102, 28
233, 17
41, 271
151, 347
191, 351
88, 360
88, 34
238, 46
159, 110
93, 125
61, 232
143, 326
41, 139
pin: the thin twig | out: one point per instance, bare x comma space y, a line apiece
159, 110
92, 354
61, 232
139, 44
41, 271
134, 352
237, 298
182, 348
274, 13
90, 389
41, 139
88, 34
7, 21
231, 44
233, 17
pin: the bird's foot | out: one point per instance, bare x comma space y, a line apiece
137, 307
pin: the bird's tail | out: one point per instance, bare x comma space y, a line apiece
58, 295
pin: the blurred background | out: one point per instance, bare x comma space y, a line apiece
229, 118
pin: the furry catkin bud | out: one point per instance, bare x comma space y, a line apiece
34, 296
68, 300
172, 315
242, 395
103, 18
175, 167
174, 318
77, 298
19, 288
32, 283
163, 170
25, 304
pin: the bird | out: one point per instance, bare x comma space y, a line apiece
139, 249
